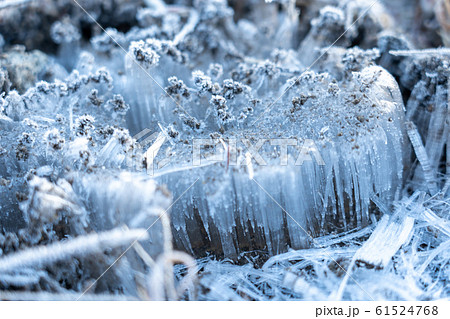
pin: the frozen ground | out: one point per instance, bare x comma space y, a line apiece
224, 150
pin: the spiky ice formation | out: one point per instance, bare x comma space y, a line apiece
344, 142
219, 79
61, 180
426, 75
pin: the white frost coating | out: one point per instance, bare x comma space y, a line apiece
83, 245
64, 147
425, 52
430, 217
428, 108
359, 137
442, 248
312, 274
389, 235
114, 199
65, 296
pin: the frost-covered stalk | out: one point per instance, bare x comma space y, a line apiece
161, 286
66, 296
68, 37
79, 246
148, 66
143, 84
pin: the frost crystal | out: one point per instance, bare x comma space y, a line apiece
291, 147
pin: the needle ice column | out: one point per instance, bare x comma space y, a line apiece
116, 199
344, 142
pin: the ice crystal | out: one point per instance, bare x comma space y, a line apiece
292, 147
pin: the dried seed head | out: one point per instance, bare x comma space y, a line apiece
177, 87
117, 104
145, 56
202, 81
54, 139
84, 125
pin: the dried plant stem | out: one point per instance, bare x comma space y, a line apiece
159, 287
45, 296
83, 245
